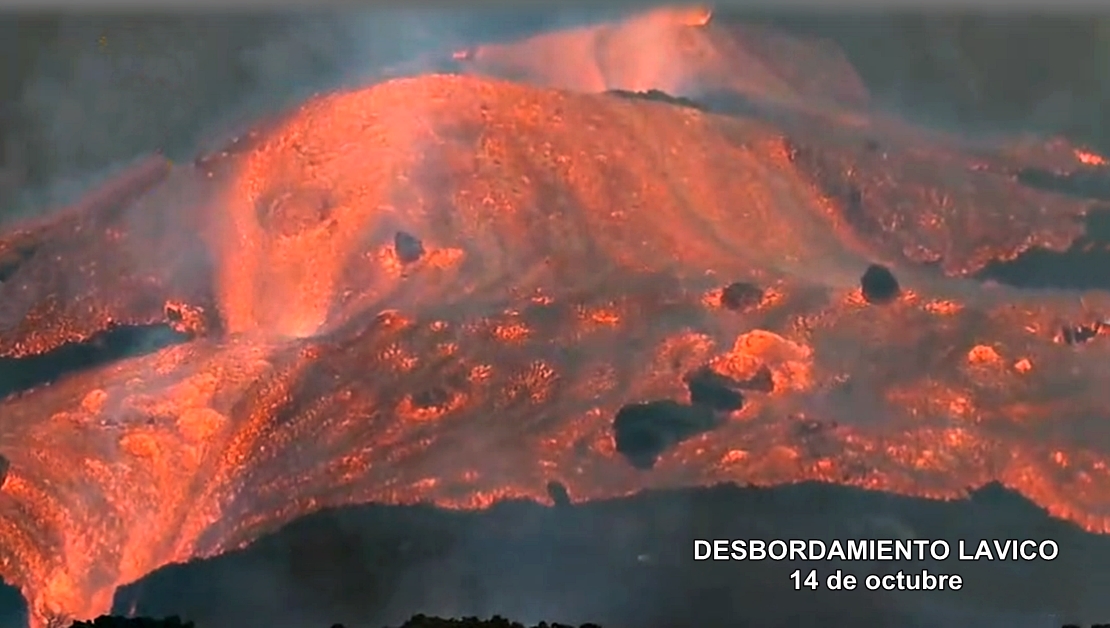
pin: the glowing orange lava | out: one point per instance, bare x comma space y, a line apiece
574, 252
1090, 159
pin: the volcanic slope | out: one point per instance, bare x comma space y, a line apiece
688, 54
571, 259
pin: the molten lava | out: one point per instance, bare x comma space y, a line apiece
564, 255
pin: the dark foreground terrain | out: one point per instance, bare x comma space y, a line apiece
417, 621
629, 563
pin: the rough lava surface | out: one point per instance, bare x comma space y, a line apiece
573, 249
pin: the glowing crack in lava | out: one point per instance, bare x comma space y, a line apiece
446, 288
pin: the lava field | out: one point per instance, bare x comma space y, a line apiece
565, 278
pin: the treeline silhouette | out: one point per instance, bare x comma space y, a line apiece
416, 621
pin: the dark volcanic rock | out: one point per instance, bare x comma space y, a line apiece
1083, 265
763, 381
409, 248
1079, 334
741, 295
416, 621
116, 621
656, 95
643, 431
879, 285
421, 621
558, 493
713, 390
1092, 183
371, 566
22, 374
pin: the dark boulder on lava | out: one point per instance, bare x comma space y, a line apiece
879, 285
1079, 334
558, 493
408, 247
643, 431
741, 295
714, 391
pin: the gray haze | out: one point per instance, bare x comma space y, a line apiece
81, 97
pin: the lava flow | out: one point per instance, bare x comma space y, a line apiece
459, 289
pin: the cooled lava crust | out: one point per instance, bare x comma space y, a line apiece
450, 288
